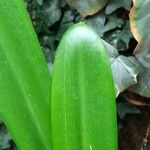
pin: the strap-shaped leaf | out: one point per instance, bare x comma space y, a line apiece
25, 82
83, 99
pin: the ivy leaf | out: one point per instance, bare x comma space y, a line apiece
67, 21
120, 38
139, 21
115, 4
113, 22
52, 12
97, 22
125, 34
143, 85
86, 7
68, 17
125, 69
40, 2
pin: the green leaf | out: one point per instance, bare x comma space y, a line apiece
115, 4
25, 82
139, 21
86, 7
83, 99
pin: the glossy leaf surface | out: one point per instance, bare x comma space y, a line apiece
83, 97
25, 82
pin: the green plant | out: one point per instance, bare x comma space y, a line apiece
83, 97
87, 101
25, 83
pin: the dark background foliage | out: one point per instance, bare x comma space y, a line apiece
51, 18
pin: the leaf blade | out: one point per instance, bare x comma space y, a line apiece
25, 82
80, 98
